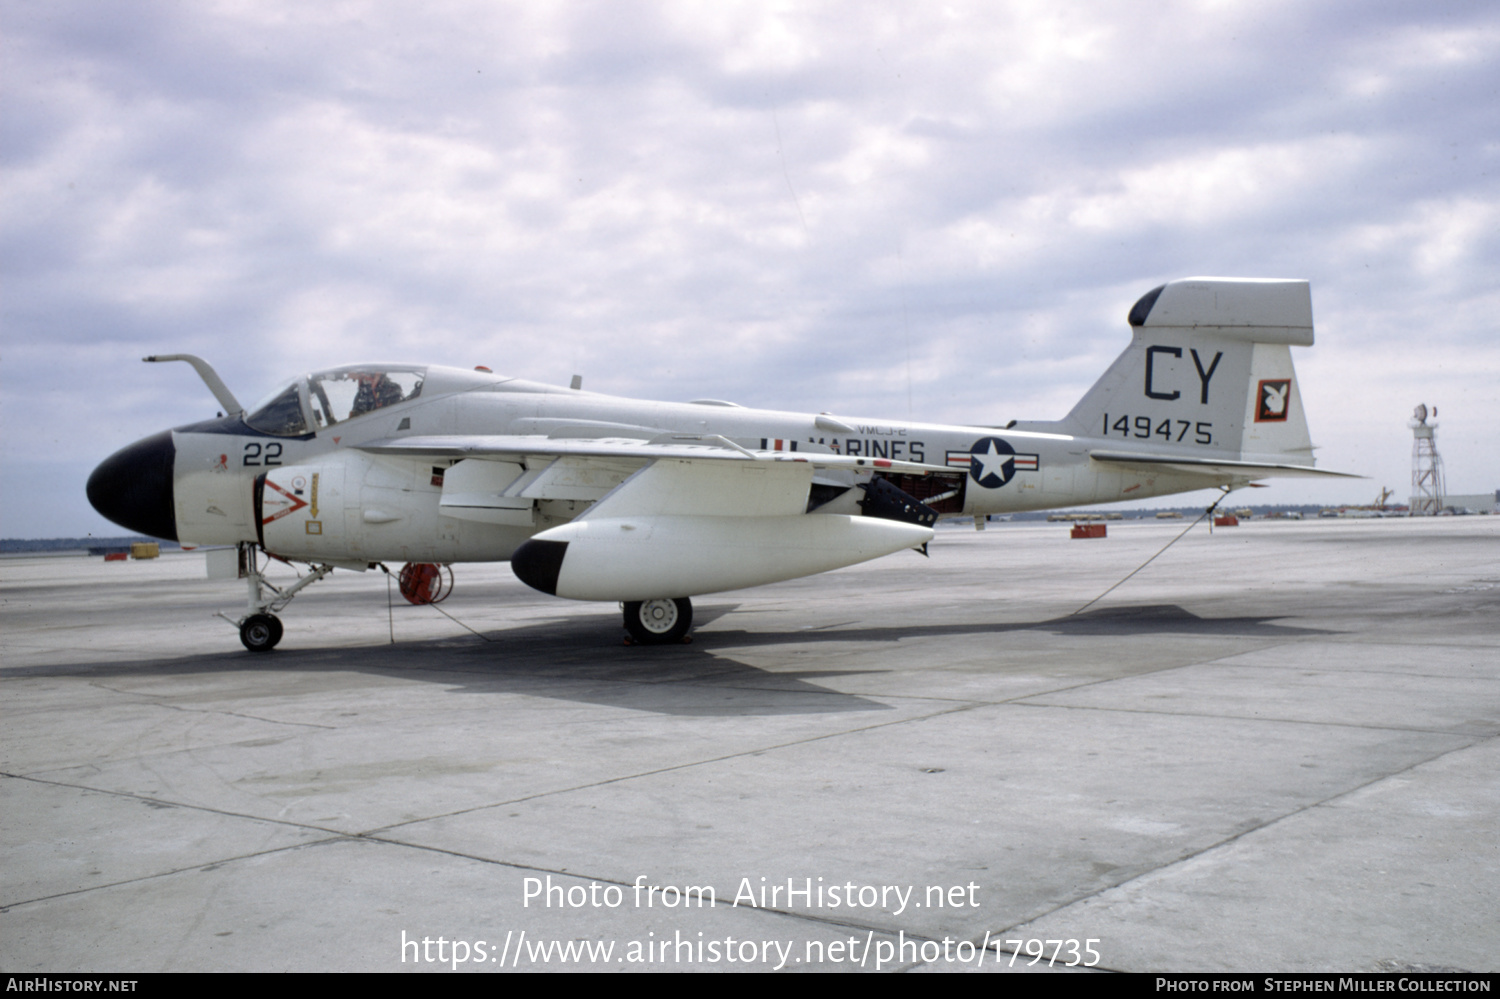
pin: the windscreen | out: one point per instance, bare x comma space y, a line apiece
280, 413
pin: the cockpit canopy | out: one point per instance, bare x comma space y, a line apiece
315, 402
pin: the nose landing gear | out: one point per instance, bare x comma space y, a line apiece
260, 629
260, 632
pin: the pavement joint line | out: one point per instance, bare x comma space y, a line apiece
960, 705
177, 804
372, 833
1235, 837
1249, 718
824, 692
674, 767
1358, 671
1021, 699
972, 702
1355, 641
338, 837
175, 871
155, 700
335, 837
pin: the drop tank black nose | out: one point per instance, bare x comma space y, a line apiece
537, 564
133, 487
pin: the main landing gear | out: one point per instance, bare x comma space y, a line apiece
260, 629
659, 622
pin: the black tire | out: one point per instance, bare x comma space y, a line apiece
260, 632
659, 622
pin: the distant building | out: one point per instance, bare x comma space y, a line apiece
1476, 503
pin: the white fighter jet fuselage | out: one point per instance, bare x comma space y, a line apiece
598, 497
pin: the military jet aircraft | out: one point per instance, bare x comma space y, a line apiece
594, 497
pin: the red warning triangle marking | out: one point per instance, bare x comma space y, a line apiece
297, 503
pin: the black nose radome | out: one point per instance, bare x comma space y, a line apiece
133, 487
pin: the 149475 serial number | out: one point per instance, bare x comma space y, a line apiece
1144, 427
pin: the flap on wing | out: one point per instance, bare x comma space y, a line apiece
481, 484
577, 479
1217, 468
721, 489
480, 491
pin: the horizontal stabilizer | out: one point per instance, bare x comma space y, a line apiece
1262, 311
1215, 468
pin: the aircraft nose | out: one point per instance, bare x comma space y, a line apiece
133, 487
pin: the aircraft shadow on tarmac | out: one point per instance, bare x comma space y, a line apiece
580, 659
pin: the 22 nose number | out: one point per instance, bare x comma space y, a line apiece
255, 456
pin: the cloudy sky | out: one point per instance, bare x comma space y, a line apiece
876, 209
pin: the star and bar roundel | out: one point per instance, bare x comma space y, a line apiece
992, 462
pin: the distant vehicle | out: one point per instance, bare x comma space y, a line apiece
594, 497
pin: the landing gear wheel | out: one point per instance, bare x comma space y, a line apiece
659, 622
260, 632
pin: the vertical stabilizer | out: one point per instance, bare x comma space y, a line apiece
1208, 370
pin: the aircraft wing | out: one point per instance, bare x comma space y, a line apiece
688, 447
1217, 468
676, 514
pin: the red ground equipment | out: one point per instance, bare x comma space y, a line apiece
426, 583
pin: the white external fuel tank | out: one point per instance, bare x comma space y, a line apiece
642, 558
646, 539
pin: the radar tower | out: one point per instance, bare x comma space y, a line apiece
1426, 464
